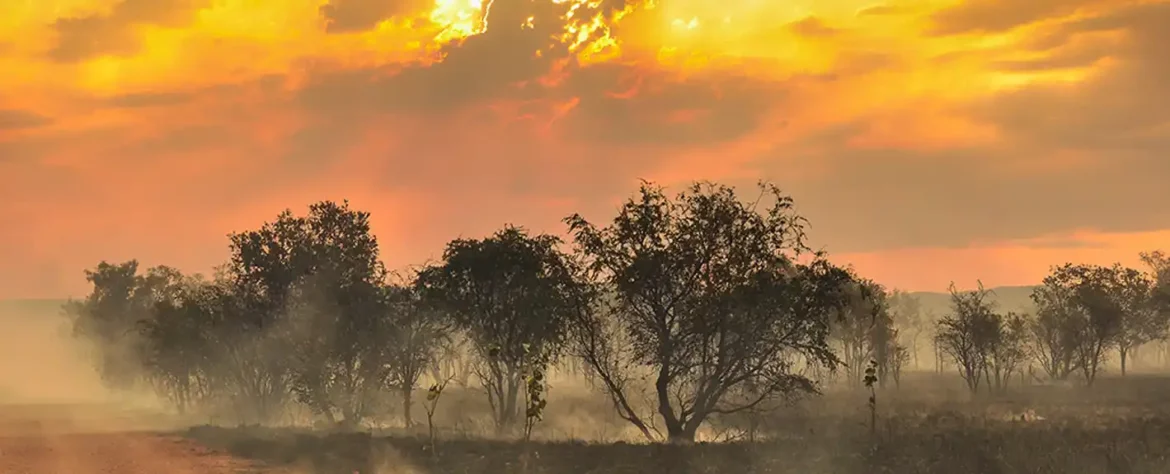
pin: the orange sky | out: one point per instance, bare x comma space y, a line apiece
926, 140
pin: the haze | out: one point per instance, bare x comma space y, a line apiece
927, 141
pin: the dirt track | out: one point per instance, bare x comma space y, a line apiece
73, 440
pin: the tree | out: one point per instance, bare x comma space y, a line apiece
865, 332
967, 334
1142, 321
853, 332
987, 346
1159, 273
909, 319
1055, 331
177, 352
513, 294
419, 337
701, 293
1095, 306
110, 316
313, 288
1008, 350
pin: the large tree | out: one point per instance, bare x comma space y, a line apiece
1099, 308
702, 295
1056, 329
420, 338
121, 300
986, 345
314, 288
865, 331
176, 349
512, 294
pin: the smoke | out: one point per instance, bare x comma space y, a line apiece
40, 361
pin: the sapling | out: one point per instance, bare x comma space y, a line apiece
535, 399
870, 380
431, 404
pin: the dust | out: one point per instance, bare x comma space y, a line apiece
40, 362
48, 383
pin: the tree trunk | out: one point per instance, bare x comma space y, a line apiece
407, 421
678, 433
1124, 356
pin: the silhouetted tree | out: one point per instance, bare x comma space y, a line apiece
177, 353
110, 316
419, 338
910, 321
312, 288
988, 347
512, 293
1008, 351
1100, 308
1055, 331
865, 332
703, 296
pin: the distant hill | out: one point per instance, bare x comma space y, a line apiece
1006, 298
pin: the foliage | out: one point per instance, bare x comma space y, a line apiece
1084, 311
415, 345
910, 321
713, 305
109, 317
684, 309
987, 346
513, 294
319, 278
865, 330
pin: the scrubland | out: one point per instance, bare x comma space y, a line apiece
930, 424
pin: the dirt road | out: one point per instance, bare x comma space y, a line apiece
112, 453
89, 440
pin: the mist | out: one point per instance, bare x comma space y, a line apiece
41, 360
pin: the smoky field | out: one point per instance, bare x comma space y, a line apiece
927, 425
694, 331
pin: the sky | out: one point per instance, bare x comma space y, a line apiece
927, 141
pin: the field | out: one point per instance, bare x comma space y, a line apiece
927, 426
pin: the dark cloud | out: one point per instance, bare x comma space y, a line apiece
874, 200
147, 99
11, 119
82, 38
813, 27
1087, 155
614, 104
995, 16
348, 16
653, 108
1068, 58
1122, 109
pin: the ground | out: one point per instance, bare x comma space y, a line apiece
98, 439
929, 425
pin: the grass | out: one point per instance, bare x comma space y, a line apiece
1121, 426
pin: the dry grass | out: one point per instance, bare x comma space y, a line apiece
927, 426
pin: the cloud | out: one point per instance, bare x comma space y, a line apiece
996, 16
813, 27
21, 119
1089, 154
348, 16
114, 33
905, 150
147, 99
